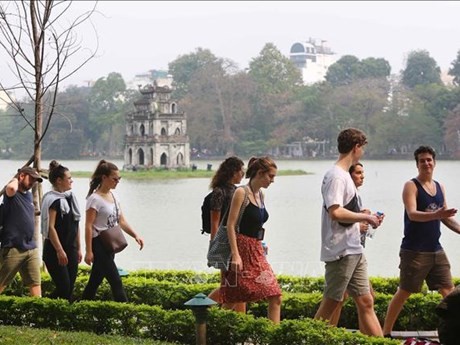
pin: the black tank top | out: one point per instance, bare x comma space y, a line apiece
424, 236
252, 220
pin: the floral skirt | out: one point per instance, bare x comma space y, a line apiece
256, 281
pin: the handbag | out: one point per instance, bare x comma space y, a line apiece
113, 239
219, 252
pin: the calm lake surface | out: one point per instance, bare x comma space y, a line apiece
167, 214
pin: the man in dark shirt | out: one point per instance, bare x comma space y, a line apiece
19, 252
422, 257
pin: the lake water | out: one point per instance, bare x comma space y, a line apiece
167, 214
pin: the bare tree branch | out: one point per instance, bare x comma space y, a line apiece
40, 40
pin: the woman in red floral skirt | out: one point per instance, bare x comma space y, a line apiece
250, 277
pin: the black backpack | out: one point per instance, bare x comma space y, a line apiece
206, 214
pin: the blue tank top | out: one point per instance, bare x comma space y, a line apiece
424, 236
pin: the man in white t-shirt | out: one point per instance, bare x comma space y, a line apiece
341, 250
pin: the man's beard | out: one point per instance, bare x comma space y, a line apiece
23, 187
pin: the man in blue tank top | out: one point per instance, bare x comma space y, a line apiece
19, 252
422, 256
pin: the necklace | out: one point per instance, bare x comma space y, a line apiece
260, 207
429, 187
254, 194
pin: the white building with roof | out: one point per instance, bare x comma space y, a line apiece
312, 59
4, 100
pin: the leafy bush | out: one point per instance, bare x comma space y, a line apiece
301, 295
142, 321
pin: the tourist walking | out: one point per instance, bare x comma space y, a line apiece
422, 257
103, 212
229, 174
357, 175
250, 277
341, 249
19, 252
60, 215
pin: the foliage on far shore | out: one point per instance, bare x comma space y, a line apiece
163, 174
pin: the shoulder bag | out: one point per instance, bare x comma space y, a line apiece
113, 239
219, 252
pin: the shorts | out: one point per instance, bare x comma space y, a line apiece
26, 262
415, 267
346, 274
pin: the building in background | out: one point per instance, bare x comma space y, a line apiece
312, 59
4, 100
148, 78
156, 131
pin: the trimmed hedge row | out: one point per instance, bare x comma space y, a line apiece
287, 283
418, 312
224, 327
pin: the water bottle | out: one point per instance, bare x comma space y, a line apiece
265, 248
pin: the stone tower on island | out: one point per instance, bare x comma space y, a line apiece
156, 131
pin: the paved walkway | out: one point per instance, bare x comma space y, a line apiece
432, 335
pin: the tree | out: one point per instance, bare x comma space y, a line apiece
454, 70
273, 72
276, 79
70, 125
421, 69
184, 68
108, 102
217, 103
39, 39
374, 68
452, 132
343, 71
349, 69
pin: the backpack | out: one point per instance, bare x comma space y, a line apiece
206, 214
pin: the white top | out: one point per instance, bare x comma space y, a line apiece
106, 216
336, 240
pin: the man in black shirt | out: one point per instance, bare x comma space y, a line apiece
19, 252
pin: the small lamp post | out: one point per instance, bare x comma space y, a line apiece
199, 305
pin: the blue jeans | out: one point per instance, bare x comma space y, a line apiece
104, 267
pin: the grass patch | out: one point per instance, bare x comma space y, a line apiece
32, 336
159, 174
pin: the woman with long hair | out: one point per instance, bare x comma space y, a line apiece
223, 183
60, 216
229, 174
103, 212
251, 277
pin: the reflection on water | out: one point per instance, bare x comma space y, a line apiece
168, 215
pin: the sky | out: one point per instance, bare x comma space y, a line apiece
137, 36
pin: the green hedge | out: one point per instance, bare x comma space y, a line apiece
287, 283
142, 321
176, 287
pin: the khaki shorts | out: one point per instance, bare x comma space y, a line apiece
346, 274
415, 267
26, 262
